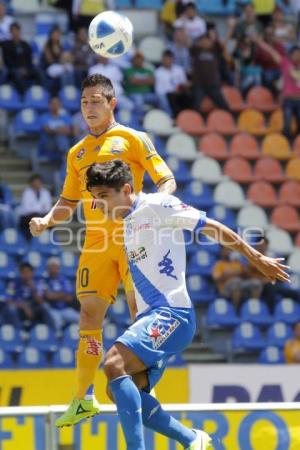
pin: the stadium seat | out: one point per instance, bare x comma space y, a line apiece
110, 334
6, 361
27, 122
217, 7
44, 245
191, 122
207, 243
70, 336
277, 146
269, 169
150, 4
207, 105
253, 122
221, 121
119, 312
271, 355
239, 170
10, 98
37, 98
276, 122
280, 241
278, 334
296, 146
12, 242
229, 194
43, 338
244, 145
182, 146
124, 4
221, 313
32, 358
294, 261
256, 312
152, 48
64, 357
252, 216
233, 98
262, 194
2, 291
293, 169
289, 193
198, 195
70, 98
222, 214
286, 217
287, 311
37, 261
207, 170
69, 263
159, 122
247, 336
10, 338
7, 266
179, 169
202, 263
261, 98
214, 146
199, 289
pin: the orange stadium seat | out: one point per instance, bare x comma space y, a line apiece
253, 122
276, 122
296, 146
293, 169
244, 145
191, 122
277, 146
207, 105
221, 122
261, 98
213, 145
286, 217
239, 170
269, 169
233, 98
289, 193
262, 194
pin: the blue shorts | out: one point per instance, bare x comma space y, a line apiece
158, 335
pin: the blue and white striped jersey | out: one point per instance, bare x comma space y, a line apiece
155, 246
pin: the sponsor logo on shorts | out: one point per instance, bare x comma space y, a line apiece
161, 329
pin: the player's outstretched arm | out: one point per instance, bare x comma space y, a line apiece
168, 187
60, 212
272, 268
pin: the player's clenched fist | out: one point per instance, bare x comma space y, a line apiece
37, 225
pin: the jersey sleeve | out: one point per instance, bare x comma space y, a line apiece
71, 188
151, 161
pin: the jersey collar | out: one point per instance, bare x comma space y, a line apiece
114, 124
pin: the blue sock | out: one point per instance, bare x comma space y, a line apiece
129, 406
157, 419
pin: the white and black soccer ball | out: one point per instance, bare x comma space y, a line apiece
110, 34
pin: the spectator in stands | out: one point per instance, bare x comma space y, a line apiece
58, 292
179, 46
284, 31
55, 137
171, 85
224, 58
263, 10
24, 303
292, 346
246, 25
80, 128
36, 200
5, 22
83, 11
62, 73
168, 15
83, 56
191, 22
7, 215
206, 73
248, 72
52, 54
17, 57
112, 71
139, 84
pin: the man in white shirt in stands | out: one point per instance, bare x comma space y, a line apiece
5, 22
191, 22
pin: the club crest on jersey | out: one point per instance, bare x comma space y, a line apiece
117, 146
97, 148
80, 154
161, 329
137, 255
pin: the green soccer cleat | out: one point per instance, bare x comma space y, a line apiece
202, 441
77, 411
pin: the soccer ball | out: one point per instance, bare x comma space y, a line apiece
110, 34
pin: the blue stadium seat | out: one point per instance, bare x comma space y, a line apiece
223, 215
44, 245
247, 336
64, 357
69, 263
198, 194
27, 122
279, 333
208, 244
70, 98
123, 4
42, 338
271, 355
7, 266
37, 98
6, 360
179, 169
70, 336
216, 7
199, 289
221, 313
287, 311
9, 98
110, 332
256, 311
12, 242
10, 338
119, 312
202, 263
32, 358
38, 262
2, 291
148, 4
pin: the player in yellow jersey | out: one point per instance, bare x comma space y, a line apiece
103, 263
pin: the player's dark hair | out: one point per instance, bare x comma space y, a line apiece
112, 174
105, 84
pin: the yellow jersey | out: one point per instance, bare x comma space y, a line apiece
133, 147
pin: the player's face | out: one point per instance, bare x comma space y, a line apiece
114, 204
96, 109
